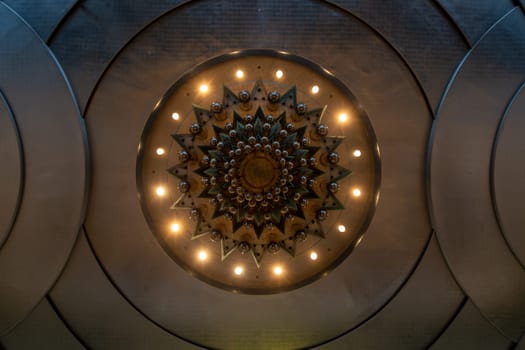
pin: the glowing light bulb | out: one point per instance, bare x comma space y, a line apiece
279, 74
356, 192
175, 116
315, 89
357, 153
314, 256
238, 270
341, 228
239, 74
203, 88
160, 151
160, 191
278, 270
175, 228
343, 117
202, 255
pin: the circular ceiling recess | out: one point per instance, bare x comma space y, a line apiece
258, 172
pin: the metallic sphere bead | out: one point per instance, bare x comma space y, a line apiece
252, 204
282, 162
205, 181
267, 216
305, 141
303, 203
283, 181
250, 217
219, 197
213, 162
205, 160
238, 152
258, 146
233, 133
284, 172
274, 97
248, 196
240, 199
301, 108
267, 148
322, 214
296, 196
265, 140
232, 190
269, 195
228, 126
232, 210
184, 186
303, 162
333, 187
194, 213
276, 144
290, 126
233, 162
226, 165
285, 154
244, 247
283, 133
215, 235
277, 152
184, 156
296, 145
235, 182
247, 149
276, 199
322, 130
240, 190
231, 172
249, 127
312, 161
264, 204
213, 180
244, 96
300, 236
252, 140
267, 126
285, 188
273, 247
270, 119
226, 178
231, 153
276, 191
240, 144
290, 178
248, 119
220, 146
214, 141
303, 180
289, 165
216, 107
311, 182
259, 197
284, 210
333, 157
195, 128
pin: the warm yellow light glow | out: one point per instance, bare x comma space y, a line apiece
203, 88
314, 255
315, 89
341, 228
175, 228
160, 191
160, 151
357, 153
239, 74
278, 270
343, 117
175, 116
356, 192
279, 74
202, 255
238, 270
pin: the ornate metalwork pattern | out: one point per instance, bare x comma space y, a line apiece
260, 171
257, 154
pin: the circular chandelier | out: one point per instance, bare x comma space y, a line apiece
258, 172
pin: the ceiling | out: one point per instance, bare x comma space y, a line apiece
434, 251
